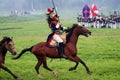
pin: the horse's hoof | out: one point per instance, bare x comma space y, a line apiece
89, 72
71, 69
55, 73
40, 75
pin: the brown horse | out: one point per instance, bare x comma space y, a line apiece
6, 44
41, 51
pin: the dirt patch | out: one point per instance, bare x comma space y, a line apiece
9, 28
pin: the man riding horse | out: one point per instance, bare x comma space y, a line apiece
54, 25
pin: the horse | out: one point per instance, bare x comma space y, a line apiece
41, 51
7, 44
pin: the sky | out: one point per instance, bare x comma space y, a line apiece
62, 5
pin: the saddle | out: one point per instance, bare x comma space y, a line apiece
53, 43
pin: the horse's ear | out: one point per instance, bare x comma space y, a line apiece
12, 37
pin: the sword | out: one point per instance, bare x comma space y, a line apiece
54, 8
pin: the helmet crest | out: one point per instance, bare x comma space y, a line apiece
49, 10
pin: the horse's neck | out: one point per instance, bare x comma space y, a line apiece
74, 39
3, 51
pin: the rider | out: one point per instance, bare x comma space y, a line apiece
55, 27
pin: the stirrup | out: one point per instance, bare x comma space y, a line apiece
63, 56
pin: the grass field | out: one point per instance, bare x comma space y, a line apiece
100, 51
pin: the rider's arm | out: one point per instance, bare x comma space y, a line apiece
63, 28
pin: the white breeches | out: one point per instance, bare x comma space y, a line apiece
57, 38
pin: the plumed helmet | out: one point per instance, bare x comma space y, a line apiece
51, 13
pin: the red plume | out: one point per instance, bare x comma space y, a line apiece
49, 10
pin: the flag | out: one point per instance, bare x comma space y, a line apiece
86, 11
93, 10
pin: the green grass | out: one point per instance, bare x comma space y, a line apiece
17, 19
100, 51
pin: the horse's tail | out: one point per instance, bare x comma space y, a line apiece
22, 52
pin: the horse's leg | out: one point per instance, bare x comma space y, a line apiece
74, 67
71, 58
77, 60
46, 67
6, 69
83, 63
38, 65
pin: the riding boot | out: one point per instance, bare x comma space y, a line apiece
61, 50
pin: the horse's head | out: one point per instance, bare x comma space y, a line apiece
8, 43
81, 30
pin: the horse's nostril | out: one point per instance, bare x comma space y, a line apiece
14, 53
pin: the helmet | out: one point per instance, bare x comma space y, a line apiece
51, 13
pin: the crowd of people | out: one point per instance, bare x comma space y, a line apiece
100, 21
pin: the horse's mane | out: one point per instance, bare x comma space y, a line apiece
5, 38
70, 32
